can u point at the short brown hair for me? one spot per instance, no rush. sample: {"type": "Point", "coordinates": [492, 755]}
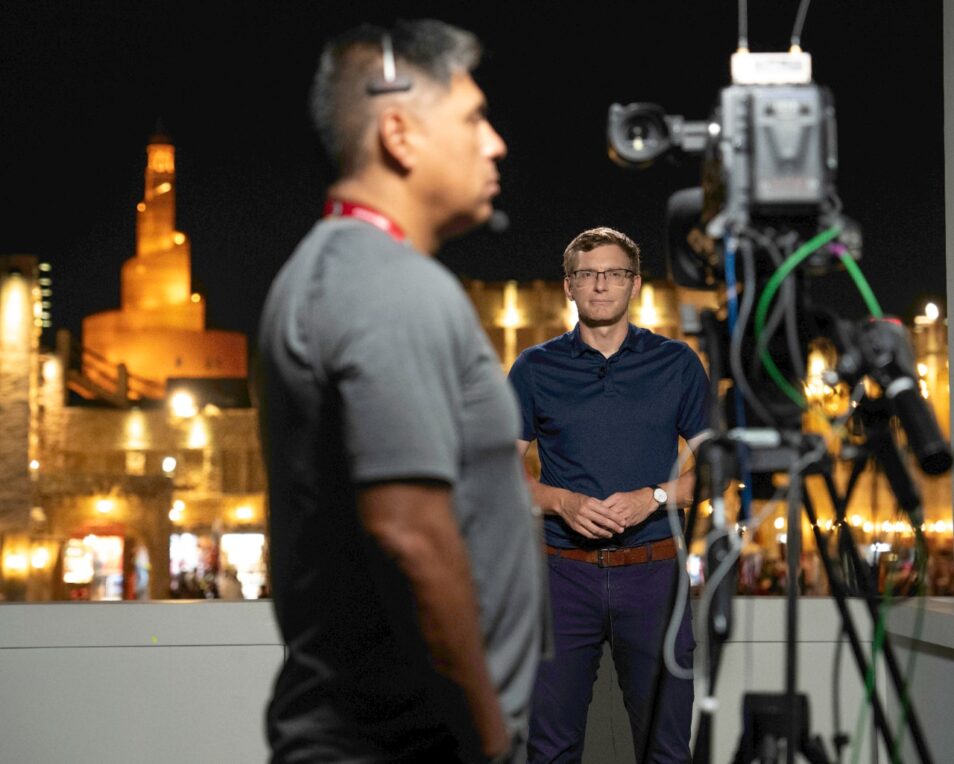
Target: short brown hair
{"type": "Point", "coordinates": [600, 237]}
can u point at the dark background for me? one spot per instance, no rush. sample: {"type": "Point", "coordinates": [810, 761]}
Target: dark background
{"type": "Point", "coordinates": [83, 83]}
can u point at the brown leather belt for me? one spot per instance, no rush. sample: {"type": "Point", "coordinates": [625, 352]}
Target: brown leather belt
{"type": "Point", "coordinates": [611, 558]}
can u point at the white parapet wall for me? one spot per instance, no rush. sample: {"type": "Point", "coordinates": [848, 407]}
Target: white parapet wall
{"type": "Point", "coordinates": [165, 682]}
{"type": "Point", "coordinates": [923, 633]}
{"type": "Point", "coordinates": [153, 683]}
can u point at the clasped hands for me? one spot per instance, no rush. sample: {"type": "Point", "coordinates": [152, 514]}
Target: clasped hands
{"type": "Point", "coordinates": [597, 519]}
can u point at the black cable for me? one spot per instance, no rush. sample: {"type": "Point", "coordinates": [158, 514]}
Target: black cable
{"type": "Point", "coordinates": [919, 564]}
{"type": "Point", "coordinates": [767, 242]}
{"type": "Point", "coordinates": [791, 326]}
{"type": "Point", "coordinates": [785, 306]}
{"type": "Point", "coordinates": [800, 23]}
{"type": "Point", "coordinates": [788, 300]}
{"type": "Point", "coordinates": [791, 331]}
{"type": "Point", "coordinates": [771, 324]}
{"type": "Point", "coordinates": [771, 411]}
{"type": "Point", "coordinates": [735, 344]}
{"type": "Point", "coordinates": [838, 737]}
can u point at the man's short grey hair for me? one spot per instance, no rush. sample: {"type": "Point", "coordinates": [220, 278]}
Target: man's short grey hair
{"type": "Point", "coordinates": [600, 237]}
{"type": "Point", "coordinates": [425, 50]}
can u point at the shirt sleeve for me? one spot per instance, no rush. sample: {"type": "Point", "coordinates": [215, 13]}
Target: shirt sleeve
{"type": "Point", "coordinates": [521, 379]}
{"type": "Point", "coordinates": [397, 369]}
{"type": "Point", "coordinates": [695, 404]}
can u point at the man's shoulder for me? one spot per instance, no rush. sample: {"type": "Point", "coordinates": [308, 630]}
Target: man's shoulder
{"type": "Point", "coordinates": [361, 259]}
{"type": "Point", "coordinates": [652, 341]}
{"type": "Point", "coordinates": [347, 279]}
{"type": "Point", "coordinates": [363, 245]}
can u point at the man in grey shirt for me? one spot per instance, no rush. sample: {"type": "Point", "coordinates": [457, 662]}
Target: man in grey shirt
{"type": "Point", "coordinates": [405, 568]}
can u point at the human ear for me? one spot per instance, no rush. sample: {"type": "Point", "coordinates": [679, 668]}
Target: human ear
{"type": "Point", "coordinates": [395, 134]}
{"type": "Point", "coordinates": [637, 284]}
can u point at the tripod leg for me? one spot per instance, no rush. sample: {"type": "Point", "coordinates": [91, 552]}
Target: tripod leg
{"type": "Point", "coordinates": [848, 624]}
{"type": "Point", "coordinates": [869, 591]}
{"type": "Point", "coordinates": [813, 750]}
{"type": "Point", "coordinates": [793, 550]}
{"type": "Point", "coordinates": [853, 573]}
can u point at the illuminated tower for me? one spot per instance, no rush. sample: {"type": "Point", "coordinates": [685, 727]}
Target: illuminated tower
{"type": "Point", "coordinates": [159, 331]}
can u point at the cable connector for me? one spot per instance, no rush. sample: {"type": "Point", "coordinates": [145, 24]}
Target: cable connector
{"type": "Point", "coordinates": [756, 437]}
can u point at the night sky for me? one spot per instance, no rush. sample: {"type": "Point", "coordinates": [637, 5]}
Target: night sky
{"type": "Point", "coordinates": [82, 85]}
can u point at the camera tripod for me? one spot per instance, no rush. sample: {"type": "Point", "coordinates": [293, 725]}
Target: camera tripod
{"type": "Point", "coordinates": [787, 716]}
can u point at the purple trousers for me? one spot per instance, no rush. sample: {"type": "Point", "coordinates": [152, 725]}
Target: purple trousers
{"type": "Point", "coordinates": [627, 606]}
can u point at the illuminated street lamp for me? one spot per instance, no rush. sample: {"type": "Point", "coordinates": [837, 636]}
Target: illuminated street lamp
{"type": "Point", "coordinates": [244, 514]}
{"type": "Point", "coordinates": [177, 511]}
{"type": "Point", "coordinates": [183, 404]}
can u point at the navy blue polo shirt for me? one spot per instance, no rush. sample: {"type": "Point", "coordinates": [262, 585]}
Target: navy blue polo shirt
{"type": "Point", "coordinates": [605, 425]}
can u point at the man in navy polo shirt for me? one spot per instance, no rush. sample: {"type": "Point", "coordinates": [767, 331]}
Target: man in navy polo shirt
{"type": "Point", "coordinates": [607, 404]}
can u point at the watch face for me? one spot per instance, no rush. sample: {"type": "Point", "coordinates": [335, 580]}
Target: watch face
{"type": "Point", "coordinates": [660, 495]}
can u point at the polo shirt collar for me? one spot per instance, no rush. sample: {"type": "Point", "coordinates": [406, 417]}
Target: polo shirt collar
{"type": "Point", "coordinates": [634, 341]}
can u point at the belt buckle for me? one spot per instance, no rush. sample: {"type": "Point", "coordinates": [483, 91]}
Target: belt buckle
{"type": "Point", "coordinates": [599, 558]}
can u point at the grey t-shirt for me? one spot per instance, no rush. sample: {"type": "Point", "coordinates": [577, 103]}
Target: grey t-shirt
{"type": "Point", "coordinates": [374, 368]}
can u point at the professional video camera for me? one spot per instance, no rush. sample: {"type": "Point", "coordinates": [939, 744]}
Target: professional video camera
{"type": "Point", "coordinates": [771, 155]}
{"type": "Point", "coordinates": [768, 185]}
{"type": "Point", "coordinates": [768, 200]}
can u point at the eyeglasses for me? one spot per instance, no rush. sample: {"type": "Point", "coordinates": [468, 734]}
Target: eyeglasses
{"type": "Point", "coordinates": [614, 276]}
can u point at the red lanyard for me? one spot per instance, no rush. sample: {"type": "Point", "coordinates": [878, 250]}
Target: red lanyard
{"type": "Point", "coordinates": [343, 209]}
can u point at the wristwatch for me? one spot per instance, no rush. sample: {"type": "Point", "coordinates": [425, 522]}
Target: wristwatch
{"type": "Point", "coordinates": [660, 495]}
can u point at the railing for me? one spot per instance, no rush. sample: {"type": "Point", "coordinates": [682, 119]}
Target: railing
{"type": "Point", "coordinates": [95, 377]}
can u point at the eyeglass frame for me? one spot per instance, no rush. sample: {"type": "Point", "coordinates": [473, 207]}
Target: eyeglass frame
{"type": "Point", "coordinates": [574, 277]}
